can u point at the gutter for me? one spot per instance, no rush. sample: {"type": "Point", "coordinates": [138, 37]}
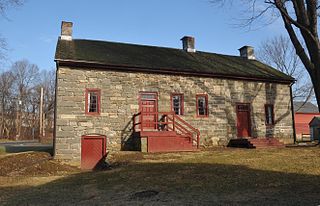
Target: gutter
{"type": "Point", "coordinates": [86, 64]}
{"type": "Point", "coordinates": [292, 113]}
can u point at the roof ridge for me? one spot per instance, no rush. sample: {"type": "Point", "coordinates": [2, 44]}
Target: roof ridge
{"type": "Point", "coordinates": [125, 43]}
{"type": "Point", "coordinates": [159, 47]}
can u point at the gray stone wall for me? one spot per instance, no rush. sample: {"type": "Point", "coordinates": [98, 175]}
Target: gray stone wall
{"type": "Point", "coordinates": [119, 101]}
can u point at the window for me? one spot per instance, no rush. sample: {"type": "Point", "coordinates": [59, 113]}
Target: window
{"type": "Point", "coordinates": [269, 114]}
{"type": "Point", "coordinates": [93, 101]}
{"type": "Point", "coordinates": [202, 105]}
{"type": "Point", "coordinates": [148, 96]}
{"type": "Point", "coordinates": [243, 108]}
{"type": "Point", "coordinates": [177, 103]}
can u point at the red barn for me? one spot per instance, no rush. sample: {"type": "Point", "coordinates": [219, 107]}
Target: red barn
{"type": "Point", "coordinates": [304, 113]}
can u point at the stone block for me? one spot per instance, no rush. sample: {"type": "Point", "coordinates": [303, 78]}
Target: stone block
{"type": "Point", "coordinates": [86, 124]}
{"type": "Point", "coordinates": [67, 128]}
{"type": "Point", "coordinates": [144, 144]}
{"type": "Point", "coordinates": [66, 116]}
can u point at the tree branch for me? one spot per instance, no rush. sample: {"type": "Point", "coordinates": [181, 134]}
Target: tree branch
{"type": "Point", "coordinates": [301, 12]}
{"type": "Point", "coordinates": [296, 43]}
{"type": "Point", "coordinates": [283, 11]}
{"type": "Point", "coordinates": [312, 16]}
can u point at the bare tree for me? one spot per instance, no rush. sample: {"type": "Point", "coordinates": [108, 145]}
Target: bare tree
{"type": "Point", "coordinates": [300, 18]}
{"type": "Point", "coordinates": [7, 4]}
{"type": "Point", "coordinates": [48, 84]}
{"type": "Point", "coordinates": [3, 48]}
{"type": "Point", "coordinates": [27, 77]}
{"type": "Point", "coordinates": [4, 6]}
{"type": "Point", "coordinates": [20, 101]}
{"type": "Point", "coordinates": [6, 104]}
{"type": "Point", "coordinates": [280, 53]}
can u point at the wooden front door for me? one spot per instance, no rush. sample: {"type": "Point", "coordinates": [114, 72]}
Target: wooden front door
{"type": "Point", "coordinates": [148, 108]}
{"type": "Point", "coordinates": [243, 120]}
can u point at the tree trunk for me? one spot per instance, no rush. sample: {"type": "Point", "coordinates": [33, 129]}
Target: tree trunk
{"type": "Point", "coordinates": [315, 78]}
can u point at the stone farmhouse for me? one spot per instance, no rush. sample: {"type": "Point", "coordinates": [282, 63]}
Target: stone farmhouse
{"type": "Point", "coordinates": [155, 99]}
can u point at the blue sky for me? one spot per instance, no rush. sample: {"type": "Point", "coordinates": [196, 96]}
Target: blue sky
{"type": "Point", "coordinates": [33, 29]}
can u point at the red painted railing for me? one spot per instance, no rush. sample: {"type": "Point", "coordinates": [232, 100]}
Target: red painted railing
{"type": "Point", "coordinates": [165, 121]}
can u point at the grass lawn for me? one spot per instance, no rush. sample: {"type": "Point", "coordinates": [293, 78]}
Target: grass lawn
{"type": "Point", "coordinates": [2, 150]}
{"type": "Point", "coordinates": [289, 176]}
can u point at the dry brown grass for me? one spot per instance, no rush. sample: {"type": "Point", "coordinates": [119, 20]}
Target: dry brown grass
{"type": "Point", "coordinates": [215, 177]}
{"type": "Point", "coordinates": [4, 140]}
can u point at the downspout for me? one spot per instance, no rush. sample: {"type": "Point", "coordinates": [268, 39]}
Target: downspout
{"type": "Point", "coordinates": [292, 113]}
{"type": "Point", "coordinates": [55, 111]}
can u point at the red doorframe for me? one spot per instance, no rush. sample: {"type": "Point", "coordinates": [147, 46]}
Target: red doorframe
{"type": "Point", "coordinates": [149, 96]}
{"type": "Point", "coordinates": [241, 110]}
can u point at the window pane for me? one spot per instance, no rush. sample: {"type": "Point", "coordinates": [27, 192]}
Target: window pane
{"type": "Point", "coordinates": [93, 102]}
{"type": "Point", "coordinates": [202, 106]}
{"type": "Point", "coordinates": [243, 108]}
{"type": "Point", "coordinates": [148, 96]}
{"type": "Point", "coordinates": [176, 104]}
{"type": "Point", "coordinates": [269, 114]}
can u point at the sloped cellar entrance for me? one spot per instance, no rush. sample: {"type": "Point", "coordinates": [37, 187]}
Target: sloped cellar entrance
{"type": "Point", "coordinates": [93, 151]}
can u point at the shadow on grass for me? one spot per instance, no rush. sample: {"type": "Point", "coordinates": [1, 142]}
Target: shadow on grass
{"type": "Point", "coordinates": [42, 148]}
{"type": "Point", "coordinates": [27, 148]}
{"type": "Point", "coordinates": [171, 184]}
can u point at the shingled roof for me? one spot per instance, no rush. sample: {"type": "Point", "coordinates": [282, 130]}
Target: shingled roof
{"type": "Point", "coordinates": [315, 121]}
{"type": "Point", "coordinates": [161, 59]}
{"type": "Point", "coordinates": [305, 107]}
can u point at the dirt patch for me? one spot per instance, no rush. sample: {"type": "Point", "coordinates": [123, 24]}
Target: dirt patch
{"type": "Point", "coordinates": [33, 164]}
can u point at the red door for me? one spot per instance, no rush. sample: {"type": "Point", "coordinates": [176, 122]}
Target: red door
{"type": "Point", "coordinates": [148, 108]}
{"type": "Point", "coordinates": [93, 151]}
{"type": "Point", "coordinates": [243, 120]}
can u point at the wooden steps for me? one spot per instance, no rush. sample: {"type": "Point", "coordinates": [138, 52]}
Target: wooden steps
{"type": "Point", "coordinates": [167, 141]}
{"type": "Point", "coordinates": [256, 143]}
{"type": "Point", "coordinates": [165, 132]}
{"type": "Point", "coordinates": [158, 133]}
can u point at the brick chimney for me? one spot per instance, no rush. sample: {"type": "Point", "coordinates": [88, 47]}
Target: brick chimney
{"type": "Point", "coordinates": [188, 43]}
{"type": "Point", "coordinates": [247, 52]}
{"type": "Point", "coordinates": [66, 31]}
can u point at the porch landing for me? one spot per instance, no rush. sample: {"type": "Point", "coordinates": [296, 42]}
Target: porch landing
{"type": "Point", "coordinates": [165, 141]}
{"type": "Point", "coordinates": [165, 132]}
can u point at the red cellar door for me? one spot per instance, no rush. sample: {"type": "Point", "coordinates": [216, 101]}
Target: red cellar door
{"type": "Point", "coordinates": [93, 150]}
